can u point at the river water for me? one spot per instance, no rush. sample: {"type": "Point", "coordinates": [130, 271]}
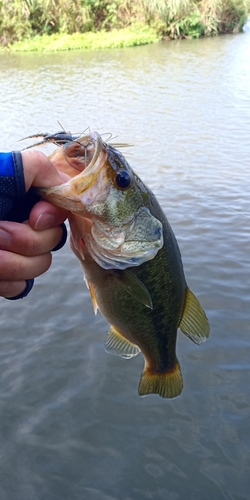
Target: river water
{"type": "Point", "coordinates": [72, 424]}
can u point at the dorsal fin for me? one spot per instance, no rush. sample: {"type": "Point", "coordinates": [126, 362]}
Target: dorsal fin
{"type": "Point", "coordinates": [117, 344]}
{"type": "Point", "coordinates": [194, 323]}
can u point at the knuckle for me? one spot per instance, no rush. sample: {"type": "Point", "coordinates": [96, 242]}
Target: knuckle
{"type": "Point", "coordinates": [29, 244]}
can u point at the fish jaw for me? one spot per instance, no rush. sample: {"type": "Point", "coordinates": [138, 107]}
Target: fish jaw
{"type": "Point", "coordinates": [78, 193]}
{"type": "Point", "coordinates": [89, 186]}
{"type": "Point", "coordinates": [61, 196]}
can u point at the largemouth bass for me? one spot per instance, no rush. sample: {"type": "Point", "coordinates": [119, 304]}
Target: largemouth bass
{"type": "Point", "coordinates": [130, 258]}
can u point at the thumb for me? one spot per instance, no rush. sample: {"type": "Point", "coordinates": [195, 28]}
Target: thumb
{"type": "Point", "coordinates": [38, 170]}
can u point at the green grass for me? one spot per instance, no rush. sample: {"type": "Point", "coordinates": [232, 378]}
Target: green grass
{"type": "Point", "coordinates": [128, 37]}
{"type": "Point", "coordinates": [52, 25]}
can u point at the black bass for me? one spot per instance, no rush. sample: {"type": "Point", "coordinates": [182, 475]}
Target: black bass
{"type": "Point", "coordinates": [130, 258]}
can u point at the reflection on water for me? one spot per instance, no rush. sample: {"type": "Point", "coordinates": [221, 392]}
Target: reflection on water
{"type": "Point", "coordinates": [72, 424]}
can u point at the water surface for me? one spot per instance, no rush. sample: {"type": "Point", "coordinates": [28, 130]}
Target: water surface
{"type": "Point", "coordinates": [72, 424]}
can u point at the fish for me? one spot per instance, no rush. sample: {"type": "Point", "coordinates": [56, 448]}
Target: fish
{"type": "Point", "coordinates": [130, 258]}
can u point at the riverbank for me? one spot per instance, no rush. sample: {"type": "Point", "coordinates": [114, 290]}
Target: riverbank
{"type": "Point", "coordinates": [127, 37]}
{"type": "Point", "coordinates": [52, 25]}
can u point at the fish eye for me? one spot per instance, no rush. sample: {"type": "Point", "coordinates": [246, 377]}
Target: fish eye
{"type": "Point", "coordinates": [122, 179]}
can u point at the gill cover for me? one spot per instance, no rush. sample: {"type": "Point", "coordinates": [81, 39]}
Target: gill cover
{"type": "Point", "coordinates": [131, 245]}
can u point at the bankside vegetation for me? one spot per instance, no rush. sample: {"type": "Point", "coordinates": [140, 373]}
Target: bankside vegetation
{"type": "Point", "coordinates": [140, 21]}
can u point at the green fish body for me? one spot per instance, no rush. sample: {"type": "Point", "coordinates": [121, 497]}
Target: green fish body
{"type": "Point", "coordinates": [131, 262]}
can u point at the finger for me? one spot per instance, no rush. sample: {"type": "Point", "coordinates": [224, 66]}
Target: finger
{"type": "Point", "coordinates": [38, 170]}
{"type": "Point", "coordinates": [44, 216]}
{"type": "Point", "coordinates": [10, 289]}
{"type": "Point", "coordinates": [14, 267]}
{"type": "Point", "coordinates": [63, 176]}
{"type": "Point", "coordinates": [22, 239]}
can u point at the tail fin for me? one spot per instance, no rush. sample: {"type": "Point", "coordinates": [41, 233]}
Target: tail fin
{"type": "Point", "coordinates": [168, 384]}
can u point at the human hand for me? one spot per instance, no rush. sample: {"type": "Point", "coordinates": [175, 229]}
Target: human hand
{"type": "Point", "coordinates": [25, 248]}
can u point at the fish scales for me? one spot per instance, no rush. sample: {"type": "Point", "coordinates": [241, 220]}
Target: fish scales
{"type": "Point", "coordinates": [154, 331]}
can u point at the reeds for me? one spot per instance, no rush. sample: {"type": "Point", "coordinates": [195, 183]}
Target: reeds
{"type": "Point", "coordinates": [192, 18]}
{"type": "Point", "coordinates": [21, 19]}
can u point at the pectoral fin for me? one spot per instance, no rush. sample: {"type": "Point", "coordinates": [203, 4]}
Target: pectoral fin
{"type": "Point", "coordinates": [194, 323]}
{"type": "Point", "coordinates": [117, 344]}
{"type": "Point", "coordinates": [135, 287]}
{"type": "Point", "coordinates": [93, 296]}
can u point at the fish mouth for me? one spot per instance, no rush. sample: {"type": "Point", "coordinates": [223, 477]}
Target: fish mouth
{"type": "Point", "coordinates": [83, 160]}
{"type": "Point", "coordinates": [77, 154]}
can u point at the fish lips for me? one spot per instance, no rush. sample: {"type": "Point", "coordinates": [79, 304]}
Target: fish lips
{"type": "Point", "coordinates": [90, 185]}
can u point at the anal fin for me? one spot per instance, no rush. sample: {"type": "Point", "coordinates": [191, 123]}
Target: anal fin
{"type": "Point", "coordinates": [168, 384]}
{"type": "Point", "coordinates": [194, 323]}
{"type": "Point", "coordinates": [117, 344]}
